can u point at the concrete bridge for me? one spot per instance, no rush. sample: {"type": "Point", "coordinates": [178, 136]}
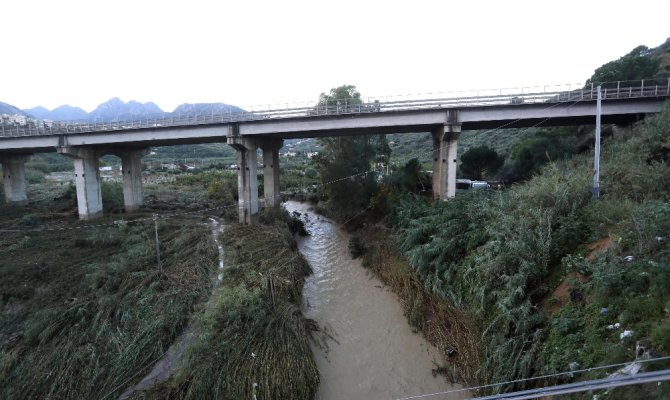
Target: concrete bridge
{"type": "Point", "coordinates": [445, 116]}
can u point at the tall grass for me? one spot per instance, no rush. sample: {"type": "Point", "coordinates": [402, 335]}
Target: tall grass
{"type": "Point", "coordinates": [94, 309]}
{"type": "Point", "coordinates": [499, 256]}
{"type": "Point", "coordinates": [252, 337]}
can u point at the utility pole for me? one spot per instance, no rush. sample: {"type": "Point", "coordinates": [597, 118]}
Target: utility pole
{"type": "Point", "coordinates": [158, 246]}
{"type": "Point", "coordinates": [596, 161]}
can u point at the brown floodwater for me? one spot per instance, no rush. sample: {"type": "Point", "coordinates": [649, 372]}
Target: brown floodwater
{"type": "Point", "coordinates": [373, 353]}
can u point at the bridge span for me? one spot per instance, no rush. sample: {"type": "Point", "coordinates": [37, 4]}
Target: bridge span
{"type": "Point", "coordinates": [266, 127]}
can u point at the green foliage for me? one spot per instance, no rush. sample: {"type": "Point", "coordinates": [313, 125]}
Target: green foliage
{"type": "Point", "coordinates": [30, 221]}
{"type": "Point", "coordinates": [112, 197]}
{"type": "Point", "coordinates": [480, 163]}
{"type": "Point", "coordinates": [345, 163]}
{"type": "Point", "coordinates": [498, 255]}
{"type": "Point", "coordinates": [636, 65]}
{"type": "Point", "coordinates": [356, 246]}
{"type": "Point", "coordinates": [410, 179]}
{"type": "Point", "coordinates": [50, 162]}
{"type": "Point", "coordinates": [660, 336]}
{"type": "Point", "coordinates": [342, 93]}
{"type": "Point", "coordinates": [87, 325]}
{"type": "Point", "coordinates": [34, 176]}
{"type": "Point", "coordinates": [534, 151]}
{"type": "Point", "coordinates": [252, 331]}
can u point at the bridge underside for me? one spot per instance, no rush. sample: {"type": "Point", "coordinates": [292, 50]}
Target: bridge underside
{"type": "Point", "coordinates": [466, 126]}
{"type": "Point", "coordinates": [444, 124]}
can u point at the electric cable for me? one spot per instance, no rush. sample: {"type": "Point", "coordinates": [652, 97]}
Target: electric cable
{"type": "Point", "coordinates": [421, 396]}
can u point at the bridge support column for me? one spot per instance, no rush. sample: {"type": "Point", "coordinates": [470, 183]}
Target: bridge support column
{"type": "Point", "coordinates": [445, 145]}
{"type": "Point", "coordinates": [247, 178]}
{"type": "Point", "coordinates": [14, 177]}
{"type": "Point", "coordinates": [87, 179]}
{"type": "Point", "coordinates": [271, 171]}
{"type": "Point", "coordinates": [131, 167]}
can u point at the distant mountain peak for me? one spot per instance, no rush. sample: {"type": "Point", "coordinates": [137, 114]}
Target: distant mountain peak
{"type": "Point", "coordinates": [11, 110]}
{"type": "Point", "coordinates": [205, 108]}
{"type": "Point", "coordinates": [116, 109]}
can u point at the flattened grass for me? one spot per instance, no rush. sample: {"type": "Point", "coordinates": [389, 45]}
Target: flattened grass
{"type": "Point", "coordinates": [84, 312]}
{"type": "Point", "coordinates": [252, 337]}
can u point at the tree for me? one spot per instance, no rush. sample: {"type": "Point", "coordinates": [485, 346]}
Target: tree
{"type": "Point", "coordinates": [638, 64]}
{"type": "Point", "coordinates": [345, 162]}
{"type": "Point", "coordinates": [342, 93]}
{"type": "Point", "coordinates": [480, 163]}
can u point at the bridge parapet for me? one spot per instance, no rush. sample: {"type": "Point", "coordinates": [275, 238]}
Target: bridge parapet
{"type": "Point", "coordinates": [463, 99]}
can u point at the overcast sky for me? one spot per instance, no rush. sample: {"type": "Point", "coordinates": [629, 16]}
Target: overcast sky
{"type": "Point", "coordinates": [247, 52]}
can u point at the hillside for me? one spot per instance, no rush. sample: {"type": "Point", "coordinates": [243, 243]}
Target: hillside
{"type": "Point", "coordinates": [552, 279]}
{"type": "Point", "coordinates": [115, 110]}
{"type": "Point", "coordinates": [62, 113]}
{"type": "Point", "coordinates": [205, 108]}
{"type": "Point", "coordinates": [10, 109]}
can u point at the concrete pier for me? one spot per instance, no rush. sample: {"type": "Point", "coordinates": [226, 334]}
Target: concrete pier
{"type": "Point", "coordinates": [247, 178]}
{"type": "Point", "coordinates": [271, 192]}
{"type": "Point", "coordinates": [131, 167]}
{"type": "Point", "coordinates": [87, 180]}
{"type": "Point", "coordinates": [14, 178]}
{"type": "Point", "coordinates": [445, 145]}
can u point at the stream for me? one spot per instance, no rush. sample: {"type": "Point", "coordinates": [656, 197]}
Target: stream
{"type": "Point", "coordinates": [373, 353]}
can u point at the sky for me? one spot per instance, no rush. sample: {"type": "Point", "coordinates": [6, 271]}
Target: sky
{"type": "Point", "coordinates": [253, 52]}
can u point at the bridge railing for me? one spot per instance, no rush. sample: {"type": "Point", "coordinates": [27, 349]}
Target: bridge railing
{"type": "Point", "coordinates": [427, 101]}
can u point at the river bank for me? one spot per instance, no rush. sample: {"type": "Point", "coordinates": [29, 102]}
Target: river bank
{"type": "Point", "coordinates": [252, 341]}
{"type": "Point", "coordinates": [373, 352]}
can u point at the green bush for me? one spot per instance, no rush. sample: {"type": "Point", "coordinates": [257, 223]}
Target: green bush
{"type": "Point", "coordinates": [660, 337]}
{"type": "Point", "coordinates": [30, 220]}
{"type": "Point", "coordinates": [498, 256]}
{"type": "Point", "coordinates": [34, 176]}
{"type": "Point", "coordinates": [112, 197]}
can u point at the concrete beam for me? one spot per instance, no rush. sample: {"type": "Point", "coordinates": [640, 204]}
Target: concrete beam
{"type": "Point", "coordinates": [445, 146]}
{"type": "Point", "coordinates": [131, 167]}
{"type": "Point", "coordinates": [14, 178]}
{"type": "Point", "coordinates": [87, 180]}
{"type": "Point", "coordinates": [247, 178]}
{"type": "Point", "coordinates": [271, 192]}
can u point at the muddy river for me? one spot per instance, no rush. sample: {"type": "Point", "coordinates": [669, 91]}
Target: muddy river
{"type": "Point", "coordinates": [373, 354]}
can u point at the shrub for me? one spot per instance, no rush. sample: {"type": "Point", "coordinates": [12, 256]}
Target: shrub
{"type": "Point", "coordinates": [112, 197]}
{"type": "Point", "coordinates": [356, 246]}
{"type": "Point", "coordinates": [30, 220]}
{"type": "Point", "coordinates": [660, 337]}
{"type": "Point", "coordinates": [34, 176]}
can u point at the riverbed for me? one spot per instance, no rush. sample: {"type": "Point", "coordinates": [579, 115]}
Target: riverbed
{"type": "Point", "coordinates": [373, 353]}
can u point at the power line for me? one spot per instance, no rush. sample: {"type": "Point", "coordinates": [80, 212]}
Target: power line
{"type": "Point", "coordinates": [491, 385]}
{"type": "Point", "coordinates": [606, 383]}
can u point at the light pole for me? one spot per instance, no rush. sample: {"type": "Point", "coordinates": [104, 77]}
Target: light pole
{"type": "Point", "coordinates": [596, 161]}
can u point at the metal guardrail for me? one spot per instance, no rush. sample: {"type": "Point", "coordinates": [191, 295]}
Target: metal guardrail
{"type": "Point", "coordinates": [478, 98]}
{"type": "Point", "coordinates": [584, 386]}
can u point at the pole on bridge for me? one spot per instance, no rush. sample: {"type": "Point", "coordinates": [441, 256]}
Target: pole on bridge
{"type": "Point", "coordinates": [596, 161]}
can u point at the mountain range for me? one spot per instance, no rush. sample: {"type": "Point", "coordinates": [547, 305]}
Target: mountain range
{"type": "Point", "coordinates": [116, 110]}
{"type": "Point", "coordinates": [10, 109]}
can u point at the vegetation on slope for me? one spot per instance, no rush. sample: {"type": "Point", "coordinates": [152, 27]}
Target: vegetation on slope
{"type": "Point", "coordinates": [499, 257]}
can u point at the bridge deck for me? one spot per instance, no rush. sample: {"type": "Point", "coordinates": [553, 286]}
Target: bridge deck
{"type": "Point", "coordinates": [622, 102]}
